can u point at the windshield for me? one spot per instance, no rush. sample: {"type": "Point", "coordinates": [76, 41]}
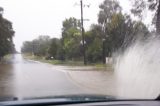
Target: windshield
{"type": "Point", "coordinates": [51, 48]}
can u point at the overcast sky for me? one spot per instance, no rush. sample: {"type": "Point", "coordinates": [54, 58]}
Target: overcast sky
{"type": "Point", "coordinates": [32, 18]}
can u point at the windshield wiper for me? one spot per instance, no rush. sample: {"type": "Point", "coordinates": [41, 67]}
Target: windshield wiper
{"type": "Point", "coordinates": [158, 98]}
{"type": "Point", "coordinates": [58, 100]}
{"type": "Point", "coordinates": [82, 97]}
{"type": "Point", "coordinates": [8, 99]}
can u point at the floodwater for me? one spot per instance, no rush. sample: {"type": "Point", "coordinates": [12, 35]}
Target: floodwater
{"type": "Point", "coordinates": [25, 78]}
{"type": "Point", "coordinates": [136, 75]}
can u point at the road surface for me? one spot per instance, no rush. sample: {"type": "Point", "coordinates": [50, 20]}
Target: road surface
{"type": "Point", "coordinates": [26, 78]}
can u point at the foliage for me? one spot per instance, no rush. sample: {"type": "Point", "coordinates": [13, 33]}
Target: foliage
{"type": "Point", "coordinates": [41, 45]}
{"type": "Point", "coordinates": [123, 31]}
{"type": "Point", "coordinates": [119, 30]}
{"type": "Point", "coordinates": [6, 36]}
{"type": "Point", "coordinates": [27, 47]}
{"type": "Point", "coordinates": [107, 9]}
{"type": "Point", "coordinates": [71, 38]}
{"type": "Point", "coordinates": [94, 43]}
{"type": "Point", "coordinates": [53, 48]}
{"type": "Point", "coordinates": [141, 6]}
{"type": "Point", "coordinates": [114, 31]}
{"type": "Point", "coordinates": [38, 46]}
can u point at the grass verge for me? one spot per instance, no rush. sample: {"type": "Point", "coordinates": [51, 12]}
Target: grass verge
{"type": "Point", "coordinates": [98, 66]}
{"type": "Point", "coordinates": [6, 58]}
{"type": "Point", "coordinates": [55, 62]}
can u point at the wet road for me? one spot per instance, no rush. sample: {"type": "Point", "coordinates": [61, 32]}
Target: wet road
{"type": "Point", "coordinates": [24, 78]}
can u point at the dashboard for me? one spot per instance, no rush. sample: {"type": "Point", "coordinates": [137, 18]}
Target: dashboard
{"type": "Point", "coordinates": [107, 103]}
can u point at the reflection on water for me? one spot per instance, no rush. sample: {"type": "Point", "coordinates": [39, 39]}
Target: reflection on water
{"type": "Point", "coordinates": [7, 78]}
{"type": "Point", "coordinates": [136, 75]}
{"type": "Point", "coordinates": [34, 79]}
{"type": "Point", "coordinates": [23, 78]}
{"type": "Point", "coordinates": [138, 70]}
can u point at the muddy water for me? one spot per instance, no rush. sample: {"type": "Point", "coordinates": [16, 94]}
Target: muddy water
{"type": "Point", "coordinates": [7, 79]}
{"type": "Point", "coordinates": [23, 78]}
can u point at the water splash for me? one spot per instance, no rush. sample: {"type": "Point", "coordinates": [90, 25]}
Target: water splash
{"type": "Point", "coordinates": [138, 70]}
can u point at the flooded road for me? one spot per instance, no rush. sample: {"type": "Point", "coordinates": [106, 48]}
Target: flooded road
{"type": "Point", "coordinates": [25, 78]}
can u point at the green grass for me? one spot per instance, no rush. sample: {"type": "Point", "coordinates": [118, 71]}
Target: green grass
{"type": "Point", "coordinates": [101, 66]}
{"type": "Point", "coordinates": [6, 58]}
{"type": "Point", "coordinates": [68, 62]}
{"type": "Point", "coordinates": [32, 57]}
{"type": "Point", "coordinates": [59, 62]}
{"type": "Point", "coordinates": [55, 62]}
{"type": "Point", "coordinates": [98, 66]}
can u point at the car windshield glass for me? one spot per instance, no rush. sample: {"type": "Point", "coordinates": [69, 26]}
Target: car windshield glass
{"type": "Point", "coordinates": [79, 48]}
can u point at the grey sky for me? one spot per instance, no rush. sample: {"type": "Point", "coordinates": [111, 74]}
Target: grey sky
{"type": "Point", "coordinates": [32, 18]}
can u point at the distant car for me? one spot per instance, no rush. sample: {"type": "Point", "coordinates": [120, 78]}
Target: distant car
{"type": "Point", "coordinates": [49, 57]}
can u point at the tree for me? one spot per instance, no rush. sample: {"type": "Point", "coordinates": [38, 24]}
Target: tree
{"type": "Point", "coordinates": [60, 51]}
{"type": "Point", "coordinates": [139, 6]}
{"type": "Point", "coordinates": [41, 45]}
{"type": "Point", "coordinates": [38, 46]}
{"type": "Point", "coordinates": [93, 39]}
{"type": "Point", "coordinates": [54, 47]}
{"type": "Point", "coordinates": [71, 38]}
{"type": "Point", "coordinates": [6, 35]}
{"type": "Point", "coordinates": [107, 9]}
{"type": "Point", "coordinates": [118, 29]}
{"type": "Point", "coordinates": [27, 47]}
{"type": "Point", "coordinates": [123, 32]}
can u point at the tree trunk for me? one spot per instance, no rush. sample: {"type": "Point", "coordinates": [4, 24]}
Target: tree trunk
{"type": "Point", "coordinates": [158, 20]}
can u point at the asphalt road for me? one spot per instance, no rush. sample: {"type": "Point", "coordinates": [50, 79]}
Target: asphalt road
{"type": "Point", "coordinates": [26, 78]}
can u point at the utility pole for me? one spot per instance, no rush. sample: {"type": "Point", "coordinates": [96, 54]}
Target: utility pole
{"type": "Point", "coordinates": [82, 32]}
{"type": "Point", "coordinates": [103, 45]}
{"type": "Point", "coordinates": [103, 51]}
